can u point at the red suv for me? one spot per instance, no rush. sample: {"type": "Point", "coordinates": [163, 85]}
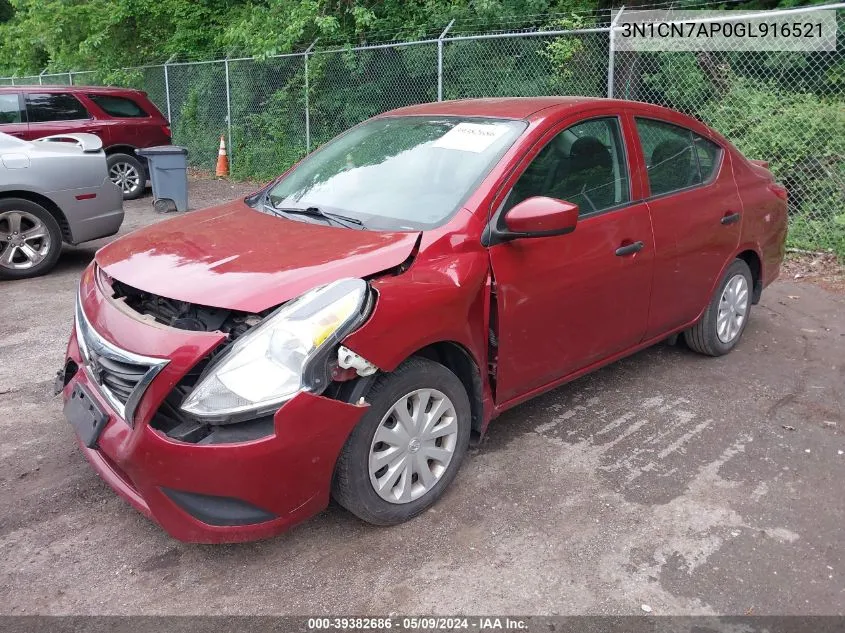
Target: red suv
{"type": "Point", "coordinates": [124, 119]}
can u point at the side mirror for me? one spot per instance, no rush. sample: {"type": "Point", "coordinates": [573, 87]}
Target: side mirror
{"type": "Point", "coordinates": [537, 217]}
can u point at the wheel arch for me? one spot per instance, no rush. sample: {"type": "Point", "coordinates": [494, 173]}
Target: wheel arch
{"type": "Point", "coordinates": [458, 359]}
{"type": "Point", "coordinates": [454, 357]}
{"type": "Point", "coordinates": [750, 254]}
{"type": "Point", "coordinates": [122, 149]}
{"type": "Point", "coordinates": [751, 257]}
{"type": "Point", "coordinates": [52, 208]}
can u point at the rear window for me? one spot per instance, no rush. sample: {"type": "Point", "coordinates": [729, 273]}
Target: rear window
{"type": "Point", "coordinates": [10, 109]}
{"type": "Point", "coordinates": [118, 106]}
{"type": "Point", "coordinates": [676, 157]}
{"type": "Point", "coordinates": [42, 107]}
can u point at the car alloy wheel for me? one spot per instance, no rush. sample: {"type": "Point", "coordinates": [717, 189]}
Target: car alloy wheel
{"type": "Point", "coordinates": [413, 446]}
{"type": "Point", "coordinates": [733, 308]}
{"type": "Point", "coordinates": [24, 240]}
{"type": "Point", "coordinates": [125, 176]}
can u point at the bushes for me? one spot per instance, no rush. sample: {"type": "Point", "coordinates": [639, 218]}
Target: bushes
{"type": "Point", "coordinates": [270, 140]}
{"type": "Point", "coordinates": [803, 138]}
{"type": "Point", "coordinates": [785, 109]}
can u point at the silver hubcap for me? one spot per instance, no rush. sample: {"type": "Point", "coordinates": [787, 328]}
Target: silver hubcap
{"type": "Point", "coordinates": [413, 446]}
{"type": "Point", "coordinates": [733, 308]}
{"type": "Point", "coordinates": [24, 240]}
{"type": "Point", "coordinates": [125, 176]}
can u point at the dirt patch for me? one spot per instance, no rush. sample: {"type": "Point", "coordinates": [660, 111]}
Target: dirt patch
{"type": "Point", "coordinates": [824, 269]}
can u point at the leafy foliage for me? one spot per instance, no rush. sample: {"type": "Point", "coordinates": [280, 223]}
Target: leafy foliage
{"type": "Point", "coordinates": [786, 108]}
{"type": "Point", "coordinates": [62, 35]}
{"type": "Point", "coordinates": [802, 136]}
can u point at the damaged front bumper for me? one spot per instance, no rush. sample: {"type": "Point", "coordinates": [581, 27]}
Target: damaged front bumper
{"type": "Point", "coordinates": [208, 493]}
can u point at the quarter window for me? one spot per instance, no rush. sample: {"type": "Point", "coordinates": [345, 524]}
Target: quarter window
{"type": "Point", "coordinates": [584, 164]}
{"type": "Point", "coordinates": [118, 106]}
{"type": "Point", "coordinates": [676, 157]}
{"type": "Point", "coordinates": [45, 107]}
{"type": "Point", "coordinates": [708, 156]}
{"type": "Point", "coordinates": [10, 108]}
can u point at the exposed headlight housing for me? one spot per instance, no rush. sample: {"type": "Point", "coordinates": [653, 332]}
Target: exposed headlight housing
{"type": "Point", "coordinates": [285, 354]}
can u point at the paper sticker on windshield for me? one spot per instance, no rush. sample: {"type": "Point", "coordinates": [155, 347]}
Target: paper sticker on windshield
{"type": "Point", "coordinates": [471, 137]}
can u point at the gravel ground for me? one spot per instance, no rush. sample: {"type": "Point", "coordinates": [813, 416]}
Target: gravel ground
{"type": "Point", "coordinates": [688, 484]}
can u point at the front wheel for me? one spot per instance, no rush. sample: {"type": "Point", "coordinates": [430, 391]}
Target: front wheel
{"type": "Point", "coordinates": [128, 174]}
{"type": "Point", "coordinates": [720, 328]}
{"type": "Point", "coordinates": [409, 445]}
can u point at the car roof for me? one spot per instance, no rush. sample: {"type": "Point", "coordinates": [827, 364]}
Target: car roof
{"type": "Point", "coordinates": [61, 88]}
{"type": "Point", "coordinates": [537, 108]}
{"type": "Point", "coordinates": [501, 107]}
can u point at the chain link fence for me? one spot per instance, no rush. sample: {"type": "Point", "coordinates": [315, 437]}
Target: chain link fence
{"type": "Point", "coordinates": [787, 108]}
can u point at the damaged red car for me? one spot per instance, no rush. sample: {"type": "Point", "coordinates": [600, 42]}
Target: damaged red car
{"type": "Point", "coordinates": [346, 331]}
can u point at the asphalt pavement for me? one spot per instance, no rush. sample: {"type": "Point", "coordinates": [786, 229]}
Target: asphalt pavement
{"type": "Point", "coordinates": [687, 484]}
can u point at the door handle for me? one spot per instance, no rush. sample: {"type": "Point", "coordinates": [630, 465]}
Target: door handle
{"type": "Point", "coordinates": [731, 218]}
{"type": "Point", "coordinates": [629, 249]}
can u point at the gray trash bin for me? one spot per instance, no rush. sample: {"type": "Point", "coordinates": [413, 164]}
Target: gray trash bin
{"type": "Point", "coordinates": [168, 165]}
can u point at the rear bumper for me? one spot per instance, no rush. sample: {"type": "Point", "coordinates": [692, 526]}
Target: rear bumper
{"type": "Point", "coordinates": [91, 218]}
{"type": "Point", "coordinates": [217, 493]}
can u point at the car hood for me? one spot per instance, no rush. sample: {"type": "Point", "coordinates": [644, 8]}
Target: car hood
{"type": "Point", "coordinates": [235, 257]}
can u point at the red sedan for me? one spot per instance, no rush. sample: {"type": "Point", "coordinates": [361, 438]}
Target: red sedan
{"type": "Point", "coordinates": [346, 330]}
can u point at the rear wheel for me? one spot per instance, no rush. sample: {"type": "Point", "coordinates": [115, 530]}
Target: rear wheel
{"type": "Point", "coordinates": [720, 328]}
{"type": "Point", "coordinates": [128, 174]}
{"type": "Point", "coordinates": [409, 445]}
{"type": "Point", "coordinates": [30, 239]}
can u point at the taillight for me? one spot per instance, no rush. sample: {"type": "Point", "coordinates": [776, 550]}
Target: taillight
{"type": "Point", "coordinates": [166, 130]}
{"type": "Point", "coordinates": [779, 190]}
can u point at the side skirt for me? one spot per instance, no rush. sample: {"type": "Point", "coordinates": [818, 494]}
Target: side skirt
{"type": "Point", "coordinates": [509, 404]}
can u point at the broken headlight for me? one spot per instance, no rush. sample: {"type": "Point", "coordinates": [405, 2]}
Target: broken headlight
{"type": "Point", "coordinates": [285, 354]}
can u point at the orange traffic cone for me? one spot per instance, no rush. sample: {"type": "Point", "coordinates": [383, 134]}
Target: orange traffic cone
{"type": "Point", "coordinates": [222, 159]}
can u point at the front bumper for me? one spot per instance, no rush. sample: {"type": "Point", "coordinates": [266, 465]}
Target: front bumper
{"type": "Point", "coordinates": [208, 493]}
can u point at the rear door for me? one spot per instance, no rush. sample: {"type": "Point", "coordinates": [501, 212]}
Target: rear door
{"type": "Point", "coordinates": [57, 113]}
{"type": "Point", "coordinates": [566, 302]}
{"type": "Point", "coordinates": [125, 121]}
{"type": "Point", "coordinates": [697, 217]}
{"type": "Point", "coordinates": [12, 115]}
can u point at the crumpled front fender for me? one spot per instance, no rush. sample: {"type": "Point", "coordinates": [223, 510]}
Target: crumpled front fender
{"type": "Point", "coordinates": [438, 301]}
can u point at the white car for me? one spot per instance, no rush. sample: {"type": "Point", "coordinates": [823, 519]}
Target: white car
{"type": "Point", "coordinates": [52, 190]}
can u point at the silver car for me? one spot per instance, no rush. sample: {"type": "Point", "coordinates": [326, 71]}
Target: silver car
{"type": "Point", "coordinates": [52, 190]}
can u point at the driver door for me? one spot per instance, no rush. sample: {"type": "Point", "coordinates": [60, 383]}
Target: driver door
{"type": "Point", "coordinates": [566, 302]}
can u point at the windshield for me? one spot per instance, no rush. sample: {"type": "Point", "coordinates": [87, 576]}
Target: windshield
{"type": "Point", "coordinates": [398, 173]}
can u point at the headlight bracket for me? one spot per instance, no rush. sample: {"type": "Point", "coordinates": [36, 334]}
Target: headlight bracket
{"type": "Point", "coordinates": [316, 375]}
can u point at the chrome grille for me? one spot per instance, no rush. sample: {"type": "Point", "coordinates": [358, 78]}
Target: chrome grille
{"type": "Point", "coordinates": [118, 377]}
{"type": "Point", "coordinates": [122, 376]}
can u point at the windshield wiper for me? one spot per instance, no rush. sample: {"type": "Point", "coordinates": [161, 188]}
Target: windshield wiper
{"type": "Point", "coordinates": [316, 212]}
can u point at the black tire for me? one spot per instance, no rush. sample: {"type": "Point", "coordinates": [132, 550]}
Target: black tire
{"type": "Point", "coordinates": [125, 163]}
{"type": "Point", "coordinates": [54, 247]}
{"type": "Point", "coordinates": [352, 487]}
{"type": "Point", "coordinates": [703, 336]}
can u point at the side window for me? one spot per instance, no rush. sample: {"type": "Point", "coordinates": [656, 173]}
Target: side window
{"type": "Point", "coordinates": [676, 157]}
{"type": "Point", "coordinates": [585, 164]}
{"type": "Point", "coordinates": [10, 108]}
{"type": "Point", "coordinates": [708, 156]}
{"type": "Point", "coordinates": [42, 107]}
{"type": "Point", "coordinates": [118, 106]}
